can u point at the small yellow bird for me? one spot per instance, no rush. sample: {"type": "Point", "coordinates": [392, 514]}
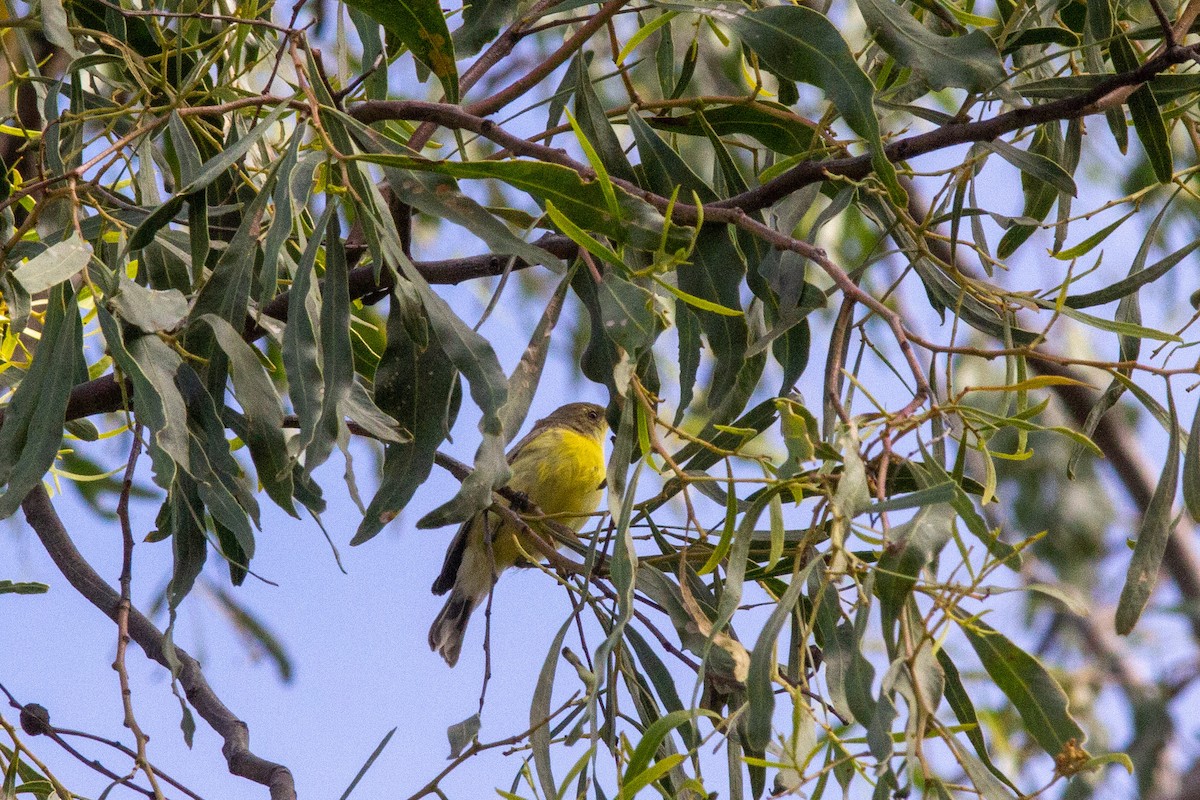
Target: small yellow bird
{"type": "Point", "coordinates": [559, 466]}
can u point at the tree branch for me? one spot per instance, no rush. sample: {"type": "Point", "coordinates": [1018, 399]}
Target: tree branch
{"type": "Point", "coordinates": [44, 520]}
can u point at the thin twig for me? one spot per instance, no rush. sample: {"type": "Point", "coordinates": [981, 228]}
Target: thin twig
{"type": "Point", "coordinates": [123, 606]}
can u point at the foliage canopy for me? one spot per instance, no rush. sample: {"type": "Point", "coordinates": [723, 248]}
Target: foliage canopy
{"type": "Point", "coordinates": [223, 229]}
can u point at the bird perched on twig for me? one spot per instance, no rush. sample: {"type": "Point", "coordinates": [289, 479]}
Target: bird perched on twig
{"type": "Point", "coordinates": [559, 467]}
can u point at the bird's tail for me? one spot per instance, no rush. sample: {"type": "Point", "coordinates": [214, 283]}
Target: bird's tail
{"type": "Point", "coordinates": [446, 634]}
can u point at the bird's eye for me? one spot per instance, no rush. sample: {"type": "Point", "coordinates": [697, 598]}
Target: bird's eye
{"type": "Point", "coordinates": [592, 414]}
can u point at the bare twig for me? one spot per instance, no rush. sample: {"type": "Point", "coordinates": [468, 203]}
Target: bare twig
{"type": "Point", "coordinates": [123, 606]}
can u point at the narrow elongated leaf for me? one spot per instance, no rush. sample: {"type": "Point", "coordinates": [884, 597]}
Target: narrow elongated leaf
{"type": "Point", "coordinates": [387, 737]}
{"type": "Point", "coordinates": [1035, 165]}
{"type": "Point", "coordinates": [1143, 108]}
{"type": "Point", "coordinates": [337, 359]}
{"type": "Point", "coordinates": [648, 746]}
{"type": "Point", "coordinates": [772, 124]}
{"type": "Point", "coordinates": [301, 354]}
{"type": "Point", "coordinates": [716, 274]}
{"type": "Point", "coordinates": [23, 587]}
{"type": "Point", "coordinates": [421, 27]}
{"type": "Point", "coordinates": [964, 710]}
{"type": "Point", "coordinates": [1191, 468]}
{"type": "Point", "coordinates": [150, 365]}
{"type": "Point", "coordinates": [539, 716]}
{"type": "Point", "coordinates": [33, 422]}
{"type": "Point", "coordinates": [1039, 195]}
{"type": "Point", "coordinates": [594, 127]}
{"type": "Point", "coordinates": [415, 384]}
{"type": "Point", "coordinates": [799, 44]}
{"type": "Point", "coordinates": [664, 168]}
{"type": "Point", "coordinates": [217, 474]}
{"type": "Point", "coordinates": [914, 545]}
{"type": "Point", "coordinates": [1157, 523]}
{"type": "Point", "coordinates": [687, 329]}
{"type": "Point", "coordinates": [1035, 694]}
{"type": "Point", "coordinates": [179, 516]}
{"type": "Point", "coordinates": [1134, 281]}
{"type": "Point", "coordinates": [261, 411]}
{"type": "Point", "coordinates": [439, 196]}
{"type": "Point", "coordinates": [582, 201]}
{"type": "Point", "coordinates": [968, 62]}
{"type": "Point", "coordinates": [760, 689]}
{"type": "Point", "coordinates": [53, 266]}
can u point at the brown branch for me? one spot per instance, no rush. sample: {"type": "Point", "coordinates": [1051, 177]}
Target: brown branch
{"type": "Point", "coordinates": [857, 168]}
{"type": "Point", "coordinates": [44, 520]}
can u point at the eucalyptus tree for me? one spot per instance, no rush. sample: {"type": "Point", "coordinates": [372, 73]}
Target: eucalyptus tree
{"type": "Point", "coordinates": [839, 270]}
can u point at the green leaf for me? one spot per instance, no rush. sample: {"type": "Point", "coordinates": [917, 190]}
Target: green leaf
{"type": "Point", "coordinates": [439, 196]}
{"type": "Point", "coordinates": [301, 356]}
{"type": "Point", "coordinates": [250, 625]}
{"type": "Point", "coordinates": [760, 689]}
{"type": "Point", "coordinates": [633, 316]}
{"type": "Point", "coordinates": [799, 44]}
{"type": "Point", "coordinates": [1086, 246]}
{"type": "Point", "coordinates": [415, 383]}
{"type": "Point", "coordinates": [150, 365]}
{"type": "Point", "coordinates": [1191, 468]}
{"type": "Point", "coordinates": [1134, 281]}
{"type": "Point", "coordinates": [960, 703]}
{"type": "Point", "coordinates": [421, 27]}
{"type": "Point", "coordinates": [594, 130]}
{"type": "Point", "coordinates": [216, 472]}
{"type": "Point", "coordinates": [663, 167]}
{"type": "Point", "coordinates": [1035, 165]}
{"type": "Point", "coordinates": [261, 412]}
{"type": "Point", "coordinates": [55, 264]}
{"type": "Point", "coordinates": [1039, 195]}
{"type": "Point", "coordinates": [1038, 698]}
{"type": "Point", "coordinates": [716, 273]}
{"type": "Point", "coordinates": [337, 357]}
{"type": "Point", "coordinates": [481, 21]}
{"type": "Point", "coordinates": [1158, 520]}
{"type": "Point", "coordinates": [539, 715]}
{"type": "Point", "coordinates": [600, 356]}
{"type": "Point", "coordinates": [179, 517]}
{"type": "Point", "coordinates": [969, 62]}
{"type": "Point", "coordinates": [687, 329]}
{"type": "Point", "coordinates": [1122, 328]}
{"type": "Point", "coordinates": [1143, 108]}
{"type": "Point", "coordinates": [912, 546]}
{"type": "Point", "coordinates": [32, 429]}
{"type": "Point", "coordinates": [772, 124]}
{"type": "Point", "coordinates": [151, 310]}
{"type": "Point", "coordinates": [582, 201]}
{"type": "Point", "coordinates": [462, 734]}
{"type": "Point", "coordinates": [638, 772]}
{"type": "Point", "coordinates": [23, 587]}
{"type": "Point", "coordinates": [387, 737]}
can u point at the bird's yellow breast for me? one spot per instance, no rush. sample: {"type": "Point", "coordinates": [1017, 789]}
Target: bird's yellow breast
{"type": "Point", "coordinates": [561, 472]}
